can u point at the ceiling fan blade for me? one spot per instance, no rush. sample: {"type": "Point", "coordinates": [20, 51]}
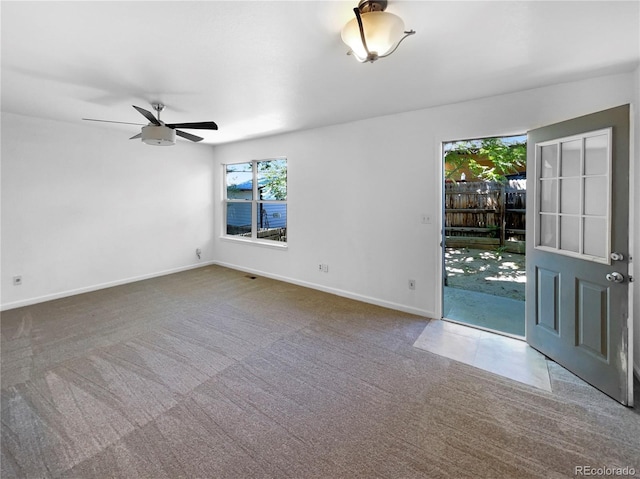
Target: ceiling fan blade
{"type": "Point", "coordinates": [188, 136]}
{"type": "Point", "coordinates": [139, 135]}
{"type": "Point", "coordinates": [109, 121]}
{"type": "Point", "coordinates": [148, 115]}
{"type": "Point", "coordinates": [200, 125]}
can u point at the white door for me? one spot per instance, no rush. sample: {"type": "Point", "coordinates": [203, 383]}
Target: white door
{"type": "Point", "coordinates": [578, 287]}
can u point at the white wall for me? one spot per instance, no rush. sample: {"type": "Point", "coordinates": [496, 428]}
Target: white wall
{"type": "Point", "coordinates": [357, 190]}
{"type": "Point", "coordinates": [83, 207]}
{"type": "Point", "coordinates": [351, 205]}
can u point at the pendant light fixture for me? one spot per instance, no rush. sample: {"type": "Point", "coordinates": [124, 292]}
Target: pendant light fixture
{"type": "Point", "coordinates": [374, 33]}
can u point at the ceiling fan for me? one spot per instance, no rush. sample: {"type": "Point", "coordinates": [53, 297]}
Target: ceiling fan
{"type": "Point", "coordinates": [159, 133]}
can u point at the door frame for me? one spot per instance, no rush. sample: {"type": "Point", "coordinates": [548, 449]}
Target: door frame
{"type": "Point", "coordinates": [439, 305]}
{"type": "Point", "coordinates": [633, 157]}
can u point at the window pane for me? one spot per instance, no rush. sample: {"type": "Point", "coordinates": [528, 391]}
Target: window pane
{"type": "Point", "coordinates": [595, 196]}
{"type": "Point", "coordinates": [548, 193]}
{"type": "Point", "coordinates": [272, 179]}
{"type": "Point", "coordinates": [595, 155]}
{"type": "Point", "coordinates": [570, 233]}
{"type": "Point", "coordinates": [570, 196]}
{"type": "Point", "coordinates": [239, 219]}
{"type": "Point", "coordinates": [549, 161]}
{"type": "Point", "coordinates": [272, 221]}
{"type": "Point", "coordinates": [240, 181]}
{"type": "Point", "coordinates": [571, 158]}
{"type": "Point", "coordinates": [595, 237]}
{"type": "Point", "coordinates": [548, 230]}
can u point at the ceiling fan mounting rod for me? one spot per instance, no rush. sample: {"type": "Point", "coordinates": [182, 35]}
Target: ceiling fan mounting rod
{"type": "Point", "coordinates": [158, 107]}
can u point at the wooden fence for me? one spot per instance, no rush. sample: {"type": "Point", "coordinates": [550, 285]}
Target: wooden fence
{"type": "Point", "coordinates": [486, 215]}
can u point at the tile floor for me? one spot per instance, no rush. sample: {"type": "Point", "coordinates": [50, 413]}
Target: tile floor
{"type": "Point", "coordinates": [491, 352]}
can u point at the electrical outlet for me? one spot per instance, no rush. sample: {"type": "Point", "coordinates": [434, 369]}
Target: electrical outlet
{"type": "Point", "coordinates": [412, 284]}
{"type": "Point", "coordinates": [320, 265]}
{"type": "Point", "coordinates": [17, 280]}
{"type": "Point", "coordinates": [425, 219]}
{"type": "Point", "coordinates": [325, 268]}
{"type": "Point", "coordinates": [198, 252]}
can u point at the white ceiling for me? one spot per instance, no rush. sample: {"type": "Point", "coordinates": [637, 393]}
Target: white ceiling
{"type": "Point", "coordinates": [265, 67]}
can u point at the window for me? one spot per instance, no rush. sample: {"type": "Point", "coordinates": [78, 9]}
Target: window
{"type": "Point", "coordinates": [255, 202]}
{"type": "Point", "coordinates": [573, 177]}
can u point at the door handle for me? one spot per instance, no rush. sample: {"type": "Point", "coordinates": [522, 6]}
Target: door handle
{"type": "Point", "coordinates": [615, 277]}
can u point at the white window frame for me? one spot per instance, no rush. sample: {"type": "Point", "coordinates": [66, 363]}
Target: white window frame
{"type": "Point", "coordinates": [537, 229]}
{"type": "Point", "coordinates": [254, 202]}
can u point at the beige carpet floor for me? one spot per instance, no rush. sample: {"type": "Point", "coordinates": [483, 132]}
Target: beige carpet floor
{"type": "Point", "coordinates": [211, 374]}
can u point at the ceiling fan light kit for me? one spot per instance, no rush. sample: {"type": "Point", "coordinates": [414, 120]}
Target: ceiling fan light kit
{"type": "Point", "coordinates": [158, 135]}
{"type": "Point", "coordinates": [373, 33]}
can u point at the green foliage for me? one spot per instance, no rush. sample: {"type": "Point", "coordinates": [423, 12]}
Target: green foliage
{"type": "Point", "coordinates": [505, 158]}
{"type": "Point", "coordinates": [274, 172]}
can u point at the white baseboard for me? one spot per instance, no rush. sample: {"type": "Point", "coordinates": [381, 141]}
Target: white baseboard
{"type": "Point", "coordinates": [96, 287]}
{"type": "Point", "coordinates": [336, 291]}
{"type": "Point", "coordinates": [307, 284]}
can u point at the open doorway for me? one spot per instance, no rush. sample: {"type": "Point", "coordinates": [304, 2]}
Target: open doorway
{"type": "Point", "coordinates": [484, 233]}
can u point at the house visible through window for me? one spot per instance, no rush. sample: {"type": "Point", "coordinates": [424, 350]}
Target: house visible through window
{"type": "Point", "coordinates": [256, 200]}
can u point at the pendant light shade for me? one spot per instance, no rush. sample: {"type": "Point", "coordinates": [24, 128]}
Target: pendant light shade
{"type": "Point", "coordinates": [373, 33]}
{"type": "Point", "coordinates": [383, 31]}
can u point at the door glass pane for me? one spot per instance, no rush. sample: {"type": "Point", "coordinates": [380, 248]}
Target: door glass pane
{"type": "Point", "coordinates": [548, 192]}
{"type": "Point", "coordinates": [595, 155]}
{"type": "Point", "coordinates": [574, 195]}
{"type": "Point", "coordinates": [570, 196]}
{"type": "Point", "coordinates": [570, 233]}
{"type": "Point", "coordinates": [595, 196]}
{"type": "Point", "coordinates": [570, 159]}
{"type": "Point", "coordinates": [548, 230]}
{"type": "Point", "coordinates": [595, 237]}
{"type": "Point", "coordinates": [239, 219]}
{"type": "Point", "coordinates": [549, 161]}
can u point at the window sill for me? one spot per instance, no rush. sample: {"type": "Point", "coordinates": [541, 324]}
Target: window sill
{"type": "Point", "coordinates": [264, 244]}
